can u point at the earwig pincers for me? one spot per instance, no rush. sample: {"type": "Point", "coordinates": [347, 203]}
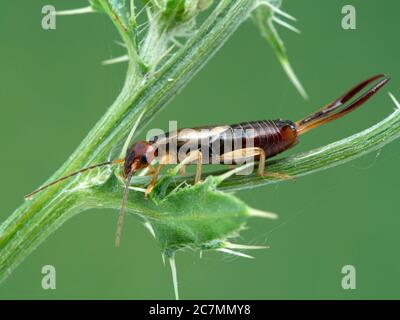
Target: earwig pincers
{"type": "Point", "coordinates": [268, 137]}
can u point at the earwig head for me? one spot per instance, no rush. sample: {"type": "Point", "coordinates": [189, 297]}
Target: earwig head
{"type": "Point", "coordinates": [138, 156]}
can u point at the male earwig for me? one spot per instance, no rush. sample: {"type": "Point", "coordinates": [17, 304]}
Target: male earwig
{"type": "Point", "coordinates": [269, 138]}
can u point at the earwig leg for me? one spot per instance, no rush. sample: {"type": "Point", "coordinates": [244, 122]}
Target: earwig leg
{"type": "Point", "coordinates": [153, 180]}
{"type": "Point", "coordinates": [261, 169]}
{"type": "Point", "coordinates": [166, 159]}
{"type": "Point", "coordinates": [197, 156]}
{"type": "Point", "coordinates": [199, 167]}
{"type": "Point", "coordinates": [242, 154]}
{"type": "Point", "coordinates": [261, 162]}
{"type": "Point", "coordinates": [151, 169]}
{"type": "Point", "coordinates": [182, 170]}
{"type": "Point", "coordinates": [277, 175]}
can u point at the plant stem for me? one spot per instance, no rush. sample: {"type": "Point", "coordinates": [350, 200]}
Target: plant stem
{"type": "Point", "coordinates": [36, 219]}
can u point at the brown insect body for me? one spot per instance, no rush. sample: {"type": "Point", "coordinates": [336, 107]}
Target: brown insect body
{"type": "Point", "coordinates": [272, 136]}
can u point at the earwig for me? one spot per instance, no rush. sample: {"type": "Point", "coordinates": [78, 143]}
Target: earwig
{"type": "Point", "coordinates": [269, 138]}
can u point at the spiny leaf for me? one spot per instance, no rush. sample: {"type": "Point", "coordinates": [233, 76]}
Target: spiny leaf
{"type": "Point", "coordinates": [196, 217]}
{"type": "Point", "coordinates": [96, 5]}
{"type": "Point", "coordinates": [122, 9]}
{"type": "Point", "coordinates": [263, 15]}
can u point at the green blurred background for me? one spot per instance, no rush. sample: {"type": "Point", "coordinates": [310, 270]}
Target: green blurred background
{"type": "Point", "coordinates": [53, 90]}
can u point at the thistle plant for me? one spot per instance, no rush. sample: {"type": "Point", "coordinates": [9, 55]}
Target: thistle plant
{"type": "Point", "coordinates": [162, 56]}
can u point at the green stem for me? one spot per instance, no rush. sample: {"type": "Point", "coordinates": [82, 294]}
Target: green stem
{"type": "Point", "coordinates": [36, 219]}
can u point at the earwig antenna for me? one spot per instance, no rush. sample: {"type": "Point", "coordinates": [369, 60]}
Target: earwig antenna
{"type": "Point", "coordinates": [113, 162]}
{"type": "Point", "coordinates": [123, 207]}
{"type": "Point", "coordinates": [326, 114]}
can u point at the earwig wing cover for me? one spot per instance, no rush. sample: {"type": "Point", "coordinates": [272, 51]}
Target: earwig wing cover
{"type": "Point", "coordinates": [190, 135]}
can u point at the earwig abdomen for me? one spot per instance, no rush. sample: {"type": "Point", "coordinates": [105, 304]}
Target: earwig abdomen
{"type": "Point", "coordinates": [273, 136]}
